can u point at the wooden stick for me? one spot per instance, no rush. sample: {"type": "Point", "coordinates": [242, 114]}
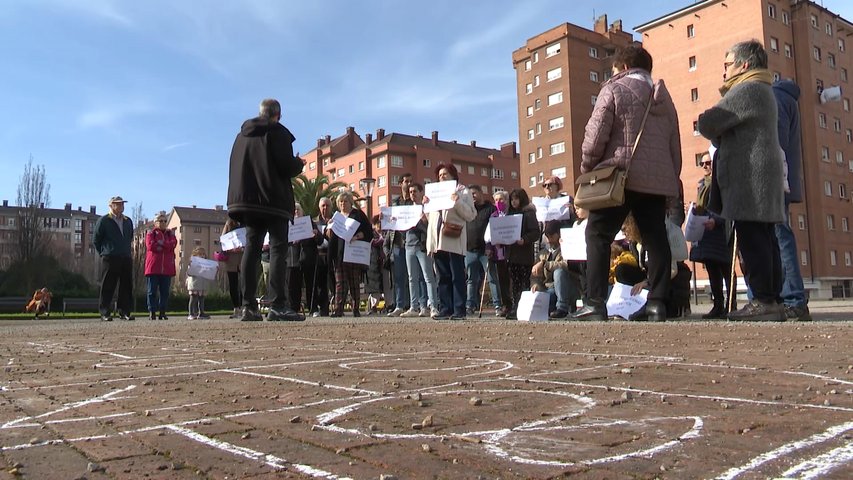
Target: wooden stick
{"type": "Point", "coordinates": [733, 284]}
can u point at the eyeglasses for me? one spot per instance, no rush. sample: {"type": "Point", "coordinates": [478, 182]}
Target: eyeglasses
{"type": "Point", "coordinates": [705, 164]}
{"type": "Point", "coordinates": [548, 185]}
{"type": "Point", "coordinates": [726, 65]}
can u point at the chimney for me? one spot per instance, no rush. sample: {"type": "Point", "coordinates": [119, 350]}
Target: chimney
{"type": "Point", "coordinates": [218, 208]}
{"type": "Point", "coordinates": [5, 203]}
{"type": "Point", "coordinates": [79, 208]}
{"type": "Point", "coordinates": [350, 138]}
{"type": "Point", "coordinates": [601, 24]}
{"type": "Point", "coordinates": [617, 26]}
{"type": "Point", "coordinates": [368, 138]}
{"type": "Point", "coordinates": [41, 205]}
{"type": "Point", "coordinates": [435, 137]}
{"type": "Point", "coordinates": [319, 142]}
{"type": "Point", "coordinates": [93, 210]}
{"type": "Point", "coordinates": [194, 206]}
{"type": "Point", "coordinates": [328, 139]}
{"type": "Point", "coordinates": [473, 143]}
{"type": "Point", "coordinates": [508, 150]}
{"type": "Point", "coordinates": [380, 133]}
{"type": "Point", "coordinates": [67, 207]}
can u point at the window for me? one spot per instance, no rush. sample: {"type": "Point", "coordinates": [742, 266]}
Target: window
{"type": "Point", "coordinates": [819, 84]}
{"type": "Point", "coordinates": [541, 177]}
{"type": "Point", "coordinates": [593, 52]}
{"type": "Point", "coordinates": [827, 188]}
{"type": "Point", "coordinates": [552, 50]}
{"type": "Point", "coordinates": [777, 76]}
{"type": "Point", "coordinates": [559, 172]}
{"type": "Point", "coordinates": [839, 158]}
{"type": "Point", "coordinates": [833, 260]}
{"type": "Point", "coordinates": [593, 100]}
{"type": "Point", "coordinates": [850, 165]}
{"type": "Point", "coordinates": [840, 44]}
{"type": "Point", "coordinates": [396, 160]}
{"type": "Point", "coordinates": [472, 170]}
{"type": "Point", "coordinates": [312, 166]}
{"type": "Point", "coordinates": [555, 123]}
{"type": "Point", "coordinates": [426, 162]}
{"type": "Point", "coordinates": [497, 189]}
{"type": "Point", "coordinates": [538, 128]}
{"type": "Point", "coordinates": [801, 221]}
{"type": "Point", "coordinates": [593, 76]}
{"type": "Point", "coordinates": [530, 111]}
{"type": "Point", "coordinates": [539, 152]}
{"type": "Point", "coordinates": [774, 44]}
{"type": "Point", "coordinates": [532, 182]}
{"type": "Point", "coordinates": [351, 169]}
{"type": "Point", "coordinates": [830, 59]}
{"type": "Point", "coordinates": [846, 103]}
{"type": "Point", "coordinates": [513, 175]}
{"type": "Point", "coordinates": [828, 28]}
{"type": "Point", "coordinates": [814, 20]}
{"type": "Point", "coordinates": [537, 104]}
{"type": "Point", "coordinates": [830, 222]}
{"type": "Point", "coordinates": [558, 148]}
{"type": "Point", "coordinates": [691, 63]}
{"type": "Point", "coordinates": [846, 259]}
{"type": "Point", "coordinates": [786, 17]}
{"type": "Point", "coordinates": [824, 154]}
{"type": "Point", "coordinates": [836, 124]}
{"type": "Point", "coordinates": [535, 57]}
{"type": "Point", "coordinates": [789, 51]}
{"type": "Point", "coordinates": [845, 226]}
{"type": "Point", "coordinates": [821, 120]}
{"type": "Point", "coordinates": [325, 162]}
{"type": "Point", "coordinates": [531, 157]}
{"type": "Point", "coordinates": [843, 74]}
{"type": "Point", "coordinates": [804, 257]}
{"type": "Point", "coordinates": [380, 161]}
{"type": "Point", "coordinates": [536, 80]}
{"type": "Point", "coordinates": [816, 53]}
{"type": "Point", "coordinates": [360, 166]}
{"type": "Point", "coordinates": [341, 172]}
{"type": "Point", "coordinates": [554, 74]}
{"type": "Point", "coordinates": [690, 31]}
{"type": "Point", "coordinates": [497, 174]}
{"type": "Point", "coordinates": [849, 136]}
{"type": "Point", "coordinates": [78, 237]}
{"type": "Point", "coordinates": [197, 242]}
{"type": "Point", "coordinates": [694, 94]}
{"type": "Point", "coordinates": [555, 98]}
{"type": "Point", "coordinates": [771, 10]}
{"type": "Point", "coordinates": [530, 134]}
{"type": "Point", "coordinates": [484, 172]}
{"type": "Point", "coordinates": [380, 182]}
{"type": "Point", "coordinates": [395, 180]}
{"type": "Point", "coordinates": [842, 190]}
{"type": "Point", "coordinates": [696, 128]}
{"type": "Point", "coordinates": [528, 88]}
{"type": "Point", "coordinates": [528, 65]}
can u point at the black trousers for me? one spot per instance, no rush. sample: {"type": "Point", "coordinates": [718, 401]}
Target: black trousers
{"type": "Point", "coordinates": [234, 289]}
{"type": "Point", "coordinates": [257, 227]}
{"type": "Point", "coordinates": [116, 270]}
{"type": "Point", "coordinates": [297, 276]}
{"type": "Point", "coordinates": [649, 211]}
{"type": "Point", "coordinates": [762, 264]}
{"type": "Point", "coordinates": [719, 272]}
{"type": "Point", "coordinates": [324, 278]}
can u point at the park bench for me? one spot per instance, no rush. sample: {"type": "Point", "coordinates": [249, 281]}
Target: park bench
{"type": "Point", "coordinates": [80, 303]}
{"type": "Point", "coordinates": [13, 304]}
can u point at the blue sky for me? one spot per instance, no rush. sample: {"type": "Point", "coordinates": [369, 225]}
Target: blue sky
{"type": "Point", "coordinates": [143, 98]}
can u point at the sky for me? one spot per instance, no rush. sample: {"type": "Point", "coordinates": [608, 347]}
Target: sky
{"type": "Point", "coordinates": [143, 99]}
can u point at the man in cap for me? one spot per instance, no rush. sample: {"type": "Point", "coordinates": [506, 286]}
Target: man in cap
{"type": "Point", "coordinates": [260, 196]}
{"type": "Point", "coordinates": [113, 237]}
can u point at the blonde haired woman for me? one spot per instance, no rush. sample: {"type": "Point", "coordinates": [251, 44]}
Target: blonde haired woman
{"type": "Point", "coordinates": [347, 275]}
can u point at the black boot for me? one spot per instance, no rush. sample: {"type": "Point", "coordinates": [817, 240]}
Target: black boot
{"type": "Point", "coordinates": [718, 311]}
{"type": "Point", "coordinates": [594, 311]}
{"type": "Point", "coordinates": [652, 311]}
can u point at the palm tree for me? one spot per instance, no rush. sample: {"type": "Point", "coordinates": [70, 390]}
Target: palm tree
{"type": "Point", "coordinates": [308, 192]}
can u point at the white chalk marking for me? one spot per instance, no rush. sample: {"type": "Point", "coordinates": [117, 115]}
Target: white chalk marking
{"type": "Point", "coordinates": [117, 355]}
{"type": "Point", "coordinates": [822, 377]}
{"type": "Point", "coordinates": [302, 382]}
{"type": "Point", "coordinates": [69, 406]}
{"type": "Point", "coordinates": [819, 466]}
{"type": "Point", "coordinates": [11, 361]}
{"type": "Point", "coordinates": [212, 361]}
{"type": "Point", "coordinates": [779, 452]}
{"type": "Point", "coordinates": [480, 362]}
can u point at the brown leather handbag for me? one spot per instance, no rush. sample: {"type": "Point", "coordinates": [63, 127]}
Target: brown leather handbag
{"type": "Point", "coordinates": [451, 230]}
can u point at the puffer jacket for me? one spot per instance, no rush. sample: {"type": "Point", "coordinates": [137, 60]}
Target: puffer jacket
{"type": "Point", "coordinates": [615, 123]}
{"type": "Point", "coordinates": [160, 252]}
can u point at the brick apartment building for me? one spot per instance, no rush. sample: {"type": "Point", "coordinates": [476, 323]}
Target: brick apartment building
{"type": "Point", "coordinates": [559, 74]}
{"type": "Point", "coordinates": [196, 227]}
{"type": "Point", "coordinates": [807, 43]}
{"type": "Point", "coordinates": [385, 158]}
{"type": "Point", "coordinates": [69, 232]}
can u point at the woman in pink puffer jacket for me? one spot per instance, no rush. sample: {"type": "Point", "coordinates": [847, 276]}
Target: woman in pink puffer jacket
{"type": "Point", "coordinates": [160, 243]}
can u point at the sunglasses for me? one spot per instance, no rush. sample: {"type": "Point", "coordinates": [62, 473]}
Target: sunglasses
{"type": "Point", "coordinates": [705, 164]}
{"type": "Point", "coordinates": [549, 185]}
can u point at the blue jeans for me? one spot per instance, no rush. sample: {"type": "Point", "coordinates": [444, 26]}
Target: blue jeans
{"type": "Point", "coordinates": [562, 289]}
{"type": "Point", "coordinates": [401, 277]}
{"type": "Point", "coordinates": [158, 285]}
{"type": "Point", "coordinates": [793, 291]}
{"type": "Point", "coordinates": [475, 264]}
{"type": "Point", "coordinates": [451, 282]}
{"type": "Point", "coordinates": [422, 286]}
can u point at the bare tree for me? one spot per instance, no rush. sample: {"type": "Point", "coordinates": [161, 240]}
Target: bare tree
{"type": "Point", "coordinates": [140, 227]}
{"type": "Point", "coordinates": [33, 197]}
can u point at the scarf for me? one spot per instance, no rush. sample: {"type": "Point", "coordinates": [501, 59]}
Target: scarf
{"type": "Point", "coordinates": [756, 75]}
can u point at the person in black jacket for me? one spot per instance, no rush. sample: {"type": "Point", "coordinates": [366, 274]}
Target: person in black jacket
{"type": "Point", "coordinates": [260, 196]}
{"type": "Point", "coordinates": [302, 265]}
{"type": "Point", "coordinates": [477, 263]}
{"type": "Point", "coordinates": [113, 236]}
{"type": "Point", "coordinates": [347, 275]}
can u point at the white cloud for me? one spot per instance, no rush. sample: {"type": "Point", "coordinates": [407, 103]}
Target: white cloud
{"type": "Point", "coordinates": [484, 40]}
{"type": "Point", "coordinates": [176, 145]}
{"type": "Point", "coordinates": [107, 116]}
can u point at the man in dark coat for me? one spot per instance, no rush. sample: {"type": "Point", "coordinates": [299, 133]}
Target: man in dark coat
{"type": "Point", "coordinates": [260, 196]}
{"type": "Point", "coordinates": [113, 236]}
{"type": "Point", "coordinates": [748, 181]}
{"type": "Point", "coordinates": [790, 139]}
{"type": "Point", "coordinates": [477, 263]}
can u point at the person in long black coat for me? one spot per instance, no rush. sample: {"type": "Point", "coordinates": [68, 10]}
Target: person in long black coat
{"type": "Point", "coordinates": [347, 275]}
{"type": "Point", "coordinates": [302, 264]}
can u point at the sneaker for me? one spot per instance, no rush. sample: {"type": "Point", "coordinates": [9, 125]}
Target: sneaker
{"type": "Point", "coordinates": [284, 315]}
{"type": "Point", "coordinates": [798, 313]}
{"type": "Point", "coordinates": [411, 313]}
{"type": "Point", "coordinates": [558, 314]}
{"type": "Point", "coordinates": [756, 311]}
{"type": "Point", "coordinates": [471, 311]}
{"type": "Point", "coordinates": [315, 315]}
{"type": "Point", "coordinates": [396, 312]}
{"type": "Point", "coordinates": [425, 312]}
{"type": "Point", "coordinates": [432, 312]}
{"type": "Point", "coordinates": [251, 315]}
{"type": "Point", "coordinates": [500, 312]}
{"type": "Point", "coordinates": [192, 317]}
{"type": "Point", "coordinates": [238, 313]}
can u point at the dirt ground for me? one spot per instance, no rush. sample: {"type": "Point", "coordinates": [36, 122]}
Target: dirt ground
{"type": "Point", "coordinates": [382, 398]}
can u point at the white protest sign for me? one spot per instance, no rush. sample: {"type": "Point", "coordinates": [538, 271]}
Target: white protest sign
{"type": "Point", "coordinates": [573, 242]}
{"type": "Point", "coordinates": [505, 230]}
{"type": "Point", "coordinates": [267, 239]}
{"type": "Point", "coordinates": [233, 240]}
{"type": "Point", "coordinates": [401, 218]}
{"type": "Point", "coordinates": [533, 306]}
{"type": "Point", "coordinates": [622, 304]}
{"type": "Point", "coordinates": [300, 229]}
{"type": "Point", "coordinates": [202, 267]}
{"type": "Point", "coordinates": [548, 209]}
{"type": "Point", "coordinates": [343, 226]}
{"type": "Point", "coordinates": [694, 225]}
{"type": "Point", "coordinates": [357, 251]}
{"type": "Point", "coordinates": [439, 195]}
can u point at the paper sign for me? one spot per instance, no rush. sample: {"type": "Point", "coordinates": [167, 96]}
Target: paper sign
{"type": "Point", "coordinates": [439, 195]}
{"type": "Point", "coordinates": [533, 306]}
{"type": "Point", "coordinates": [694, 225]}
{"type": "Point", "coordinates": [233, 240]}
{"type": "Point", "coordinates": [343, 226]}
{"type": "Point", "coordinates": [401, 218]}
{"type": "Point", "coordinates": [202, 267]}
{"type": "Point", "coordinates": [300, 229]}
{"type": "Point", "coordinates": [505, 230]}
{"type": "Point", "coordinates": [573, 242]}
{"type": "Point", "coordinates": [357, 251]}
{"type": "Point", "coordinates": [548, 209]}
{"type": "Point", "coordinates": [622, 304]}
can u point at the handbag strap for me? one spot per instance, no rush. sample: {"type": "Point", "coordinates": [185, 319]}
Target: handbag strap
{"type": "Point", "coordinates": [642, 127]}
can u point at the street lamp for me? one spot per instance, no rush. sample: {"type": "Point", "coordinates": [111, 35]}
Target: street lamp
{"type": "Point", "coordinates": [366, 185]}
